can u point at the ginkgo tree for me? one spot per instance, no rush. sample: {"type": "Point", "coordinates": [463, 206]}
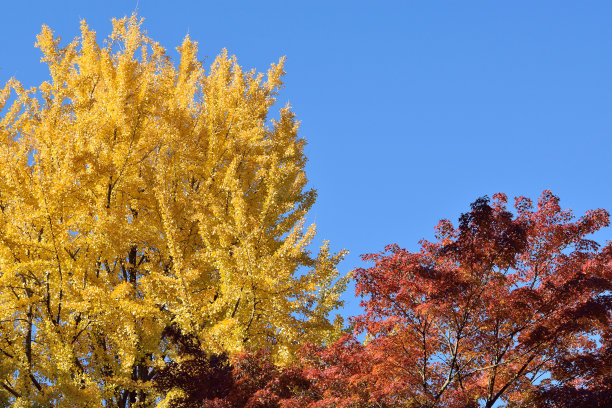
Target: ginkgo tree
{"type": "Point", "coordinates": [136, 195]}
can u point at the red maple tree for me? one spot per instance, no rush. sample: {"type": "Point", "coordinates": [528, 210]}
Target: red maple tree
{"type": "Point", "coordinates": [488, 312]}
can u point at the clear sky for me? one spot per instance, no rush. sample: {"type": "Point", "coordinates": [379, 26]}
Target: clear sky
{"type": "Point", "coordinates": [412, 109]}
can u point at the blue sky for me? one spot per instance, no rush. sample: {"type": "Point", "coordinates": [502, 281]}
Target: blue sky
{"type": "Point", "coordinates": [411, 109]}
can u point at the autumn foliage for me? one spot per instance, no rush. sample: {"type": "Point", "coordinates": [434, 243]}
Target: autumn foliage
{"type": "Point", "coordinates": [136, 195]}
{"type": "Point", "coordinates": [154, 252]}
{"type": "Point", "coordinates": [492, 309]}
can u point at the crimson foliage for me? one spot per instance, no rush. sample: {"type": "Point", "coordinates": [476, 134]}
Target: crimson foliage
{"type": "Point", "coordinates": [491, 308]}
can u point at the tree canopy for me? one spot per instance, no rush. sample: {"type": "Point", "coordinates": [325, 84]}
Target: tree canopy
{"type": "Point", "coordinates": [154, 252]}
{"type": "Point", "coordinates": [492, 310]}
{"type": "Point", "coordinates": [135, 196]}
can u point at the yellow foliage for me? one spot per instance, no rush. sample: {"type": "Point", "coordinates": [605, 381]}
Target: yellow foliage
{"type": "Point", "coordinates": [135, 195]}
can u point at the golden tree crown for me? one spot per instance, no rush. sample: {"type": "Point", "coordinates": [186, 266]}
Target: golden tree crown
{"type": "Point", "coordinates": [135, 195]}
